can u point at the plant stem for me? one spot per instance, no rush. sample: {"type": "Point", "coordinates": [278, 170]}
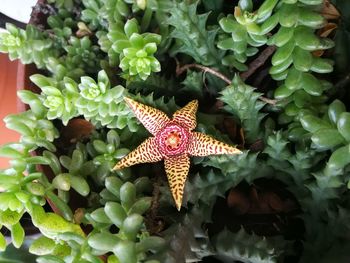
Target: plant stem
{"type": "Point", "coordinates": [258, 62]}
{"type": "Point", "coordinates": [267, 100]}
{"type": "Point", "coordinates": [180, 70]}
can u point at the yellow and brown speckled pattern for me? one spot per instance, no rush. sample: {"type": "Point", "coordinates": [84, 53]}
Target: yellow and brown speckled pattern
{"type": "Point", "coordinates": [186, 116]}
{"type": "Point", "coordinates": [146, 152]}
{"type": "Point", "coordinates": [153, 119]}
{"type": "Point", "coordinates": [176, 161]}
{"type": "Point", "coordinates": [176, 168]}
{"type": "Point", "coordinates": [203, 145]}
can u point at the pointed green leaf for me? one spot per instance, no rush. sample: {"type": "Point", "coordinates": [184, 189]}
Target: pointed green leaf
{"type": "Point", "coordinates": [17, 235]}
{"type": "Point", "coordinates": [3, 243]}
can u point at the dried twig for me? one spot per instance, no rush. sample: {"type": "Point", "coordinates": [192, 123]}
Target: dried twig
{"type": "Point", "coordinates": [180, 70]}
{"type": "Point", "coordinates": [258, 62]}
{"type": "Point", "coordinates": [267, 100]}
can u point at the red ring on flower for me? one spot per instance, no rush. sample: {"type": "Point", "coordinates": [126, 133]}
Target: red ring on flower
{"type": "Point", "coordinates": [172, 139]}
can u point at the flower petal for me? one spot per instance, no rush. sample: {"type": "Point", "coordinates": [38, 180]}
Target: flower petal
{"type": "Point", "coordinates": [146, 152]}
{"type": "Point", "coordinates": [186, 116]}
{"type": "Point", "coordinates": [153, 119]}
{"type": "Point", "coordinates": [176, 168]}
{"type": "Point", "coordinates": [203, 145]}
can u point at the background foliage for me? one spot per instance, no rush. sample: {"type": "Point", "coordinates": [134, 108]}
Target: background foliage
{"type": "Point", "coordinates": [285, 199]}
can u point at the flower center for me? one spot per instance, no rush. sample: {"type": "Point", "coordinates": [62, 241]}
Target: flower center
{"type": "Point", "coordinates": [172, 139]}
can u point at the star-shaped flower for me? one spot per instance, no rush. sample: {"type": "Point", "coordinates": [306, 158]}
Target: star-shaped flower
{"type": "Point", "coordinates": [174, 141]}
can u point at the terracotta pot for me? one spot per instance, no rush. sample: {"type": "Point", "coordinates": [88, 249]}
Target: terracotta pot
{"type": "Point", "coordinates": [8, 101]}
{"type": "Point", "coordinates": [25, 71]}
{"type": "Point", "coordinates": [8, 97]}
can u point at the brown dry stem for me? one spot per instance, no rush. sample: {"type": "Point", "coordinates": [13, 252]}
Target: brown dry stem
{"type": "Point", "coordinates": [258, 62]}
{"type": "Point", "coordinates": [180, 70]}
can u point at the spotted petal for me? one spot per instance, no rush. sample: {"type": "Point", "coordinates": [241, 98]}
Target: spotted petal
{"type": "Point", "coordinates": [203, 145]}
{"type": "Point", "coordinates": [146, 152]}
{"type": "Point", "coordinates": [176, 168]}
{"type": "Point", "coordinates": [153, 119]}
{"type": "Point", "coordinates": [186, 116]}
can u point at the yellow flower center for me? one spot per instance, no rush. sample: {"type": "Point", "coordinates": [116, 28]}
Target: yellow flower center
{"type": "Point", "coordinates": [173, 140]}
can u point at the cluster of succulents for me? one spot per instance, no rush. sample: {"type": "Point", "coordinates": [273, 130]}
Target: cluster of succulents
{"type": "Point", "coordinates": [136, 51]}
{"type": "Point", "coordinates": [81, 53]}
{"type": "Point", "coordinates": [62, 25]}
{"type": "Point", "coordinates": [59, 101]}
{"type": "Point", "coordinates": [246, 33]}
{"type": "Point", "coordinates": [293, 128]}
{"type": "Point", "coordinates": [35, 131]}
{"type": "Point", "coordinates": [102, 104]}
{"type": "Point", "coordinates": [30, 45]}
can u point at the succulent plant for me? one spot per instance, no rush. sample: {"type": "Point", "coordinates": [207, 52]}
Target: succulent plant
{"type": "Point", "coordinates": [63, 4]}
{"type": "Point", "coordinates": [29, 45]}
{"type": "Point", "coordinates": [246, 246]}
{"type": "Point", "coordinates": [190, 30]}
{"type": "Point", "coordinates": [244, 32]}
{"type": "Point", "coordinates": [92, 14]}
{"type": "Point", "coordinates": [294, 60]}
{"type": "Point", "coordinates": [81, 53]}
{"type": "Point", "coordinates": [123, 209]}
{"type": "Point", "coordinates": [136, 50]}
{"type": "Point", "coordinates": [17, 190]}
{"type": "Point", "coordinates": [101, 104]}
{"type": "Point", "coordinates": [115, 11]}
{"type": "Point", "coordinates": [105, 153]}
{"type": "Point", "coordinates": [59, 69]}
{"type": "Point", "coordinates": [62, 26]}
{"type": "Point", "coordinates": [243, 102]}
{"type": "Point", "coordinates": [97, 60]}
{"type": "Point", "coordinates": [58, 97]}
{"type": "Point", "coordinates": [36, 132]}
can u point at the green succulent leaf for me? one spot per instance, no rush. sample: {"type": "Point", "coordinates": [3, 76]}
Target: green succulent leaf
{"type": "Point", "coordinates": [243, 103]}
{"type": "Point", "coordinates": [42, 246]}
{"type": "Point", "coordinates": [247, 247]}
{"type": "Point", "coordinates": [103, 241]}
{"type": "Point", "coordinates": [17, 235]}
{"type": "Point", "coordinates": [190, 30]}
